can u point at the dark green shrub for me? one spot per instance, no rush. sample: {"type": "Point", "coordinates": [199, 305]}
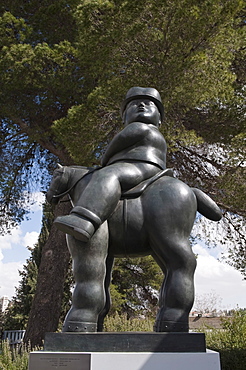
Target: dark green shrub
{"type": "Point", "coordinates": [121, 323]}
{"type": "Point", "coordinates": [13, 359]}
{"type": "Point", "coordinates": [230, 341]}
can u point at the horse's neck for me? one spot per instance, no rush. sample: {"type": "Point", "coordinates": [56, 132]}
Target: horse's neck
{"type": "Point", "coordinates": [76, 173]}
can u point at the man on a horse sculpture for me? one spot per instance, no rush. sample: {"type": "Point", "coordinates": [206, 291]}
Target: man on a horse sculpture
{"type": "Point", "coordinates": [113, 217]}
{"type": "Point", "coordinates": [135, 154]}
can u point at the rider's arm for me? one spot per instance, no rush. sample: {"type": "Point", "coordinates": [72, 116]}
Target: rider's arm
{"type": "Point", "coordinates": [126, 138]}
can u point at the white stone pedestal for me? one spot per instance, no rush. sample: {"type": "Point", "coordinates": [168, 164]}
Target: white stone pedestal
{"type": "Point", "coordinates": [45, 360]}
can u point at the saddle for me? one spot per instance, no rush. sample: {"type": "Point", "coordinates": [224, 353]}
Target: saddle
{"type": "Point", "coordinates": [140, 188]}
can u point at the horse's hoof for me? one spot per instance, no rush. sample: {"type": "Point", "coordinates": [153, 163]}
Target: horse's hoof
{"type": "Point", "coordinates": [76, 226]}
{"type": "Point", "coordinates": [171, 326]}
{"type": "Point", "coordinates": [79, 327]}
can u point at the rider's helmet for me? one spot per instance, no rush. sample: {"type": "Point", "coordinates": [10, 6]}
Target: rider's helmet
{"type": "Point", "coordinates": [143, 92]}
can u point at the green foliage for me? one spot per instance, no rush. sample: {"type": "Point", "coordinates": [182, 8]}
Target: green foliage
{"type": "Point", "coordinates": [117, 300]}
{"type": "Point", "coordinates": [135, 286]}
{"type": "Point", "coordinates": [230, 341]}
{"type": "Point", "coordinates": [29, 97]}
{"type": "Point", "coordinates": [13, 30]}
{"type": "Point", "coordinates": [15, 358]}
{"type": "Point", "coordinates": [175, 46]}
{"type": "Point", "coordinates": [118, 323]}
{"type": "Point", "coordinates": [233, 335]}
{"type": "Point", "coordinates": [48, 20]}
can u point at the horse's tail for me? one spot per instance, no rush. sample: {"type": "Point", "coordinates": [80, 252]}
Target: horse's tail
{"type": "Point", "coordinates": [206, 206]}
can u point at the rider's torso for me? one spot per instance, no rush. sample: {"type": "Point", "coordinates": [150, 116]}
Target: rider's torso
{"type": "Point", "coordinates": [151, 148]}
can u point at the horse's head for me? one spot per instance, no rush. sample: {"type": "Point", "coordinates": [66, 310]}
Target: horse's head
{"type": "Point", "coordinates": [58, 185]}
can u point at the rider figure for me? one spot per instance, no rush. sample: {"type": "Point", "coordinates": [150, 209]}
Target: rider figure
{"type": "Point", "coordinates": [135, 154]}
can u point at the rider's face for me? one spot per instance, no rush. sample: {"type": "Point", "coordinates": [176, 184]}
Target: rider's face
{"type": "Point", "coordinates": [142, 110]}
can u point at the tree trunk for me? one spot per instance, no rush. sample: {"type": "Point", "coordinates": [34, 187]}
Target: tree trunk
{"type": "Point", "coordinates": [46, 305]}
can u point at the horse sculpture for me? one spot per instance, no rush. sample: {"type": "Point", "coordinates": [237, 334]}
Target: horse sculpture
{"type": "Point", "coordinates": [158, 222]}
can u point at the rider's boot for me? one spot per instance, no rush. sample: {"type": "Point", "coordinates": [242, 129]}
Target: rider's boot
{"type": "Point", "coordinates": [81, 223]}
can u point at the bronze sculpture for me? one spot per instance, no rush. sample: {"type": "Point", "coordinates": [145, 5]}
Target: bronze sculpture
{"type": "Point", "coordinates": [137, 153]}
{"type": "Point", "coordinates": [113, 217]}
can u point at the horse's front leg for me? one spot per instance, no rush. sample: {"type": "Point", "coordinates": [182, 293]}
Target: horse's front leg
{"type": "Point", "coordinates": [105, 310]}
{"type": "Point", "coordinates": [89, 271]}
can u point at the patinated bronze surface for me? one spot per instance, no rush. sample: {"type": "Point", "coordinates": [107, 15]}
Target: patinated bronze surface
{"type": "Point", "coordinates": [111, 219]}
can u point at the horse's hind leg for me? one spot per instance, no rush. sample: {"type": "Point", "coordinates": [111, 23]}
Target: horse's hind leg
{"type": "Point", "coordinates": [89, 273]}
{"type": "Point", "coordinates": [178, 263]}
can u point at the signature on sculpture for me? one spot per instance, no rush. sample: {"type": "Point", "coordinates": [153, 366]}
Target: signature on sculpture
{"type": "Point", "coordinates": [131, 205]}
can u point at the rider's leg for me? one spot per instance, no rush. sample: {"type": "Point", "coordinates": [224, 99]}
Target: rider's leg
{"type": "Point", "coordinates": [100, 197]}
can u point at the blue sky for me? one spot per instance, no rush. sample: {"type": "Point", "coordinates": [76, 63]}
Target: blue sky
{"type": "Point", "coordinates": [211, 275]}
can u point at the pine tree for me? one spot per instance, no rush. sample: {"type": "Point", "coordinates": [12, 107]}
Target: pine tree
{"type": "Point", "coordinates": [135, 286]}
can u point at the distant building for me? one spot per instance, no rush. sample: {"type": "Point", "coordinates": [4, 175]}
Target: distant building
{"type": "Point", "coordinates": [202, 323]}
{"type": "Point", "coordinates": [4, 302]}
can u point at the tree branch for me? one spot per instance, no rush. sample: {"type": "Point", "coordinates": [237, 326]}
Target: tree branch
{"type": "Point", "coordinates": [214, 163]}
{"type": "Point", "coordinates": [59, 151]}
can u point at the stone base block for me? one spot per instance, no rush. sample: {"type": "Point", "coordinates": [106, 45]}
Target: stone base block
{"type": "Point", "coordinates": [44, 360]}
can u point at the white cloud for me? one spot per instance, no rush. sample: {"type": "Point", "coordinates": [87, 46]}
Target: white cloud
{"type": "Point", "coordinates": [13, 251]}
{"type": "Point", "coordinates": [9, 277]}
{"type": "Point", "coordinates": [29, 239]}
{"type": "Point", "coordinates": [16, 237]}
{"type": "Point", "coordinates": [219, 277]}
{"type": "Point", "coordinates": [16, 241]}
{"type": "Point", "coordinates": [6, 241]}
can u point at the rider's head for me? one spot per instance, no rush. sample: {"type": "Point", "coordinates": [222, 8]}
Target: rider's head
{"type": "Point", "coordinates": [142, 104]}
